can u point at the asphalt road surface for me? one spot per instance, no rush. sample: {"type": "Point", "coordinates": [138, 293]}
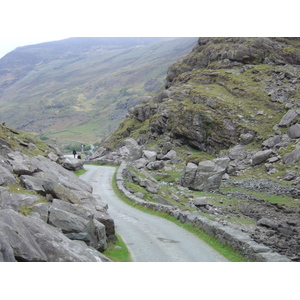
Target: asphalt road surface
{"type": "Point", "coordinates": [148, 238]}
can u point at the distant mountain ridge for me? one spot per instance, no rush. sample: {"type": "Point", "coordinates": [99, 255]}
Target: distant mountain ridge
{"type": "Point", "coordinates": [81, 88]}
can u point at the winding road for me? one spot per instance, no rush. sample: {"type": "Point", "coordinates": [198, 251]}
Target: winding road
{"type": "Point", "coordinates": [148, 238]}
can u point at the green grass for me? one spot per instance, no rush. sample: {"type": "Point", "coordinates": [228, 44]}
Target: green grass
{"type": "Point", "coordinates": [279, 199]}
{"type": "Point", "coordinates": [79, 172]}
{"type": "Point", "coordinates": [224, 250]}
{"type": "Point", "coordinates": [118, 251]}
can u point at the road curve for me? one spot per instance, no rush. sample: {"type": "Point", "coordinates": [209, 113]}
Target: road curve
{"type": "Point", "coordinates": [148, 238]}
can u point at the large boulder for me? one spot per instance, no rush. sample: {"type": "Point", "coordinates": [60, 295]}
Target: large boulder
{"type": "Point", "coordinates": [261, 156]}
{"type": "Point", "coordinates": [22, 164]}
{"type": "Point", "coordinates": [289, 118]}
{"type": "Point", "coordinates": [33, 240]}
{"type": "Point", "coordinates": [150, 155]}
{"type": "Point", "coordinates": [206, 176]}
{"type": "Point", "coordinates": [6, 173]}
{"type": "Point", "coordinates": [78, 223]}
{"type": "Point", "coordinates": [130, 150]}
{"type": "Point", "coordinates": [293, 156]}
{"type": "Point", "coordinates": [99, 209]}
{"type": "Point", "coordinates": [294, 131]}
{"type": "Point", "coordinates": [150, 186]}
{"type": "Point", "coordinates": [60, 192]}
{"type": "Point", "coordinates": [72, 164]}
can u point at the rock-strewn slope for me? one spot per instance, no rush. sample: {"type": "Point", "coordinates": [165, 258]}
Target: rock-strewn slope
{"type": "Point", "coordinates": [225, 88]}
{"type": "Point", "coordinates": [226, 126]}
{"type": "Point", "coordinates": [46, 212]}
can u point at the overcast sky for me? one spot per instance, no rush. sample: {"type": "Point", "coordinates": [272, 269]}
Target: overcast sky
{"type": "Point", "coordinates": [34, 21]}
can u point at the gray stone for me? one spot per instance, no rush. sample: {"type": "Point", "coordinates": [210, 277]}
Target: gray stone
{"type": "Point", "coordinates": [150, 186]}
{"type": "Point", "coordinates": [6, 251]}
{"type": "Point", "coordinates": [33, 184]}
{"type": "Point", "coordinates": [274, 257]}
{"type": "Point", "coordinates": [236, 152]}
{"type": "Point", "coordinates": [15, 201]}
{"type": "Point", "coordinates": [293, 156]}
{"type": "Point", "coordinates": [261, 156]}
{"type": "Point", "coordinates": [290, 175]}
{"type": "Point", "coordinates": [272, 141]}
{"type": "Point", "coordinates": [289, 118]}
{"type": "Point", "coordinates": [175, 197]}
{"type": "Point", "coordinates": [53, 157]}
{"type": "Point", "coordinates": [294, 131]}
{"type": "Point", "coordinates": [150, 155]}
{"type": "Point", "coordinates": [99, 152]}
{"type": "Point", "coordinates": [22, 164]}
{"type": "Point", "coordinates": [77, 222]}
{"type": "Point", "coordinates": [140, 163]}
{"type": "Point", "coordinates": [42, 209]}
{"type": "Point", "coordinates": [99, 209]}
{"type": "Point", "coordinates": [170, 155]}
{"type": "Point", "coordinates": [166, 147]}
{"type": "Point", "coordinates": [72, 164]}
{"type": "Point", "coordinates": [6, 174]}
{"type": "Point", "coordinates": [246, 138]}
{"type": "Point", "coordinates": [189, 174]}
{"type": "Point", "coordinates": [33, 240]}
{"type": "Point", "coordinates": [207, 176]}
{"type": "Point", "coordinates": [200, 201]}
{"type": "Point", "coordinates": [155, 165]}
{"type": "Point", "coordinates": [130, 150]}
{"type": "Point", "coordinates": [60, 192]}
{"type": "Point", "coordinates": [267, 223]}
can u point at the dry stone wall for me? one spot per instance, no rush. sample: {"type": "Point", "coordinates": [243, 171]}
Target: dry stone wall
{"type": "Point", "coordinates": [236, 239]}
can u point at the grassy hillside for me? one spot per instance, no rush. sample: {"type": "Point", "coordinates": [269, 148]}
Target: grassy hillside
{"type": "Point", "coordinates": [82, 90]}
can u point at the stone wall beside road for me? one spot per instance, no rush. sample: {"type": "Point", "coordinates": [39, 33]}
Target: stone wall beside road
{"type": "Point", "coordinates": [237, 240]}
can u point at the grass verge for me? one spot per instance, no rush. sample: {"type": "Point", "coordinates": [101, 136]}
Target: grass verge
{"type": "Point", "coordinates": [118, 251]}
{"type": "Point", "coordinates": [79, 172]}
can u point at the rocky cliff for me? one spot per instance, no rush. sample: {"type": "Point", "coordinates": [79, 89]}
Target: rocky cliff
{"type": "Point", "coordinates": [225, 88]}
{"type": "Point", "coordinates": [47, 213]}
{"type": "Point", "coordinates": [224, 127]}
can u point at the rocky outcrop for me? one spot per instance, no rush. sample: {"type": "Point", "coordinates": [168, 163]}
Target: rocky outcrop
{"type": "Point", "coordinates": [206, 176]}
{"type": "Point", "coordinates": [31, 239]}
{"type": "Point", "coordinates": [46, 212]}
{"type": "Point", "coordinates": [212, 95]}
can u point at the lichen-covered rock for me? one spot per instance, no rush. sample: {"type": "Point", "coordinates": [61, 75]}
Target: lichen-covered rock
{"type": "Point", "coordinates": [206, 176]}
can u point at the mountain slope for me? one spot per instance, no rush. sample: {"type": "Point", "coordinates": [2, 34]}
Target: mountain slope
{"type": "Point", "coordinates": [222, 140]}
{"type": "Point", "coordinates": [224, 88]}
{"type": "Point", "coordinates": [81, 88]}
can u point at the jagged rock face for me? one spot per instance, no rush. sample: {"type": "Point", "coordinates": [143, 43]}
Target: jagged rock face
{"type": "Point", "coordinates": [33, 240]}
{"type": "Point", "coordinates": [228, 52]}
{"type": "Point", "coordinates": [46, 212]}
{"type": "Point", "coordinates": [226, 90]}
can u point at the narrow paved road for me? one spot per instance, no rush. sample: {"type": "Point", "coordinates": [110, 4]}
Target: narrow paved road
{"type": "Point", "coordinates": [148, 238]}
